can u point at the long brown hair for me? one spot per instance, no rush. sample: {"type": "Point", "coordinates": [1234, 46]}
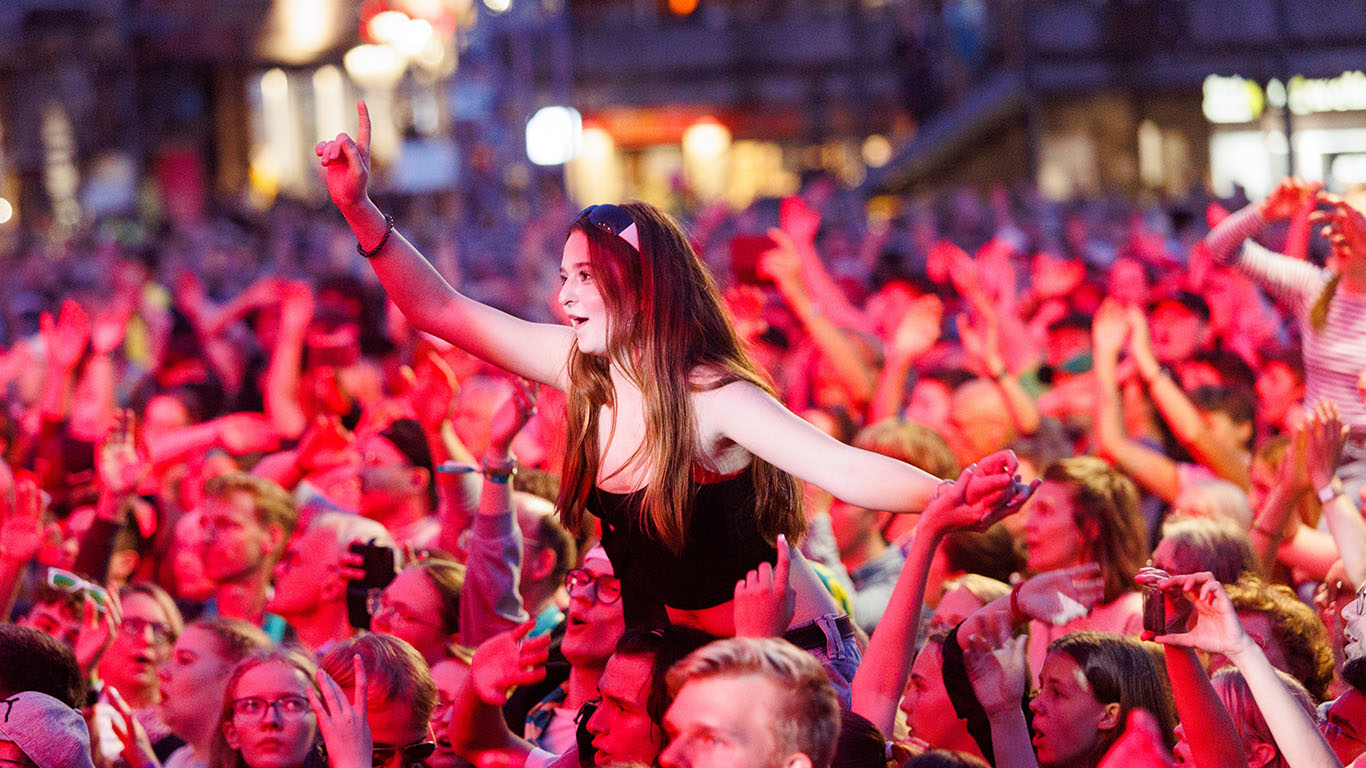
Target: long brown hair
{"type": "Point", "coordinates": [666, 326]}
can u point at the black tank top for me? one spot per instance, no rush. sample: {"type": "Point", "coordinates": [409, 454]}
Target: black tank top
{"type": "Point", "coordinates": [722, 544]}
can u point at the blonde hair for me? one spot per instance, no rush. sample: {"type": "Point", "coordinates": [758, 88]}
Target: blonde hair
{"type": "Point", "coordinates": [1247, 716]}
{"type": "Point", "coordinates": [807, 714]}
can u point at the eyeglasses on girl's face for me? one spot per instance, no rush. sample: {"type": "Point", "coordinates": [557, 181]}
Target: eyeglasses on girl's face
{"type": "Point", "coordinates": [291, 707]}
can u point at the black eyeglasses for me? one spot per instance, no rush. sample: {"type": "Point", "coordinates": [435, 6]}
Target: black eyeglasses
{"type": "Point", "coordinates": [290, 707]}
{"type": "Point", "coordinates": [606, 588]}
{"type": "Point", "coordinates": [614, 220]}
{"type": "Point", "coordinates": [413, 754]}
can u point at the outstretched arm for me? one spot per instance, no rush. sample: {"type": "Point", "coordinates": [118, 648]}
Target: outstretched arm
{"type": "Point", "coordinates": [742, 413]}
{"type": "Point", "coordinates": [536, 351]}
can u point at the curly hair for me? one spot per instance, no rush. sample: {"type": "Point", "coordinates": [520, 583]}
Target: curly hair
{"type": "Point", "coordinates": [1295, 627]}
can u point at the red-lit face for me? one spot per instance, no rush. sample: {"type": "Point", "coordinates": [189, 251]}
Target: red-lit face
{"type": "Point", "coordinates": [580, 297]}
{"type": "Point", "coordinates": [1052, 537]}
{"type": "Point", "coordinates": [1068, 720]}
{"type": "Point", "coordinates": [1278, 390]}
{"type": "Point", "coordinates": [1177, 332]}
{"type": "Point", "coordinates": [621, 726]}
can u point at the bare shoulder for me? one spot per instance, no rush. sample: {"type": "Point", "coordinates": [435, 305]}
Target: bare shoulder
{"type": "Point", "coordinates": [724, 394]}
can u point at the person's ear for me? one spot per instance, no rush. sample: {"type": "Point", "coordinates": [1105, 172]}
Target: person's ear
{"type": "Point", "coordinates": [1113, 717]}
{"type": "Point", "coordinates": [797, 760]}
{"type": "Point", "coordinates": [1260, 755]}
{"type": "Point", "coordinates": [123, 564]}
{"type": "Point", "coordinates": [230, 736]}
{"type": "Point", "coordinates": [275, 540]}
{"type": "Point", "coordinates": [418, 478]}
{"type": "Point", "coordinates": [542, 564]}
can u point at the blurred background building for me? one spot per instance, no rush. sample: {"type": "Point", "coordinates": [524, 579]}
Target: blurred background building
{"type": "Point", "coordinates": [109, 105]}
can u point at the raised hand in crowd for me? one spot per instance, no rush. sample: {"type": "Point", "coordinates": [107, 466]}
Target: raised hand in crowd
{"type": "Point", "coordinates": [344, 724]}
{"type": "Point", "coordinates": [64, 342]}
{"type": "Point", "coordinates": [916, 333]}
{"type": "Point", "coordinates": [1111, 328]}
{"type": "Point", "coordinates": [881, 678]}
{"type": "Point", "coordinates": [1215, 629]}
{"type": "Point", "coordinates": [1324, 438]}
{"type": "Point", "coordinates": [137, 746]}
{"type": "Point", "coordinates": [22, 533]}
{"type": "Point", "coordinates": [1058, 597]}
{"type": "Point", "coordinates": [764, 599]}
{"type": "Point", "coordinates": [99, 626]}
{"type": "Point", "coordinates": [121, 461]}
{"type": "Point", "coordinates": [999, 673]}
{"type": "Point", "coordinates": [1288, 198]}
{"type": "Point", "coordinates": [507, 660]}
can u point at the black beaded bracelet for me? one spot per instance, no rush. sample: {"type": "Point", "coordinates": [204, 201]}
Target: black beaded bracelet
{"type": "Point", "coordinates": [388, 228]}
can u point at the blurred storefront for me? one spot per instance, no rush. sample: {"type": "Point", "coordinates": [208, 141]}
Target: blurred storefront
{"type": "Point", "coordinates": [1309, 127]}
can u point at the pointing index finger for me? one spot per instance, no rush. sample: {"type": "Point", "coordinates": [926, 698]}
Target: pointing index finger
{"type": "Point", "coordinates": [363, 131]}
{"type": "Point", "coordinates": [784, 562]}
{"type": "Point", "coordinates": [360, 698]}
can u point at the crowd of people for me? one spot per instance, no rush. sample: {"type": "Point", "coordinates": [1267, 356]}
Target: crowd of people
{"type": "Point", "coordinates": [993, 480]}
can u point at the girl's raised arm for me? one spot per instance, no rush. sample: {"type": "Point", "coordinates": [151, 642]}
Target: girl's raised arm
{"type": "Point", "coordinates": [537, 351]}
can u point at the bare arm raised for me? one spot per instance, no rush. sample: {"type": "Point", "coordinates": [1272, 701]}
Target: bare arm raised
{"type": "Point", "coordinates": [536, 351]}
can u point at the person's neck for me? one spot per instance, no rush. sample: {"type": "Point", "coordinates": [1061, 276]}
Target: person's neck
{"type": "Point", "coordinates": [582, 686]}
{"type": "Point", "coordinates": [201, 741]}
{"type": "Point", "coordinates": [865, 550]}
{"type": "Point", "coordinates": [326, 624]}
{"type": "Point", "coordinates": [244, 598]}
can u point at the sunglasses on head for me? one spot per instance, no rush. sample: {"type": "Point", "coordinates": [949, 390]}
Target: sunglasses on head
{"type": "Point", "coordinates": [614, 220]}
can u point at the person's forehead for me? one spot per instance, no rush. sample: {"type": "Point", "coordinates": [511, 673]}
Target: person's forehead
{"type": "Point", "coordinates": [448, 674]}
{"type": "Point", "coordinates": [270, 679]}
{"type": "Point", "coordinates": [198, 641]}
{"type": "Point", "coordinates": [237, 505]}
{"type": "Point", "coordinates": [626, 679]}
{"type": "Point", "coordinates": [142, 606]}
{"type": "Point", "coordinates": [575, 250]}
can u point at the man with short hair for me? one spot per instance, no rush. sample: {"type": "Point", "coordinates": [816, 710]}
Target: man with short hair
{"type": "Point", "coordinates": [396, 484]}
{"type": "Point", "coordinates": [33, 661]}
{"type": "Point", "coordinates": [401, 698]}
{"type": "Point", "coordinates": [623, 727]}
{"type": "Point", "coordinates": [310, 580]}
{"type": "Point", "coordinates": [247, 520]}
{"type": "Point", "coordinates": [750, 703]}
